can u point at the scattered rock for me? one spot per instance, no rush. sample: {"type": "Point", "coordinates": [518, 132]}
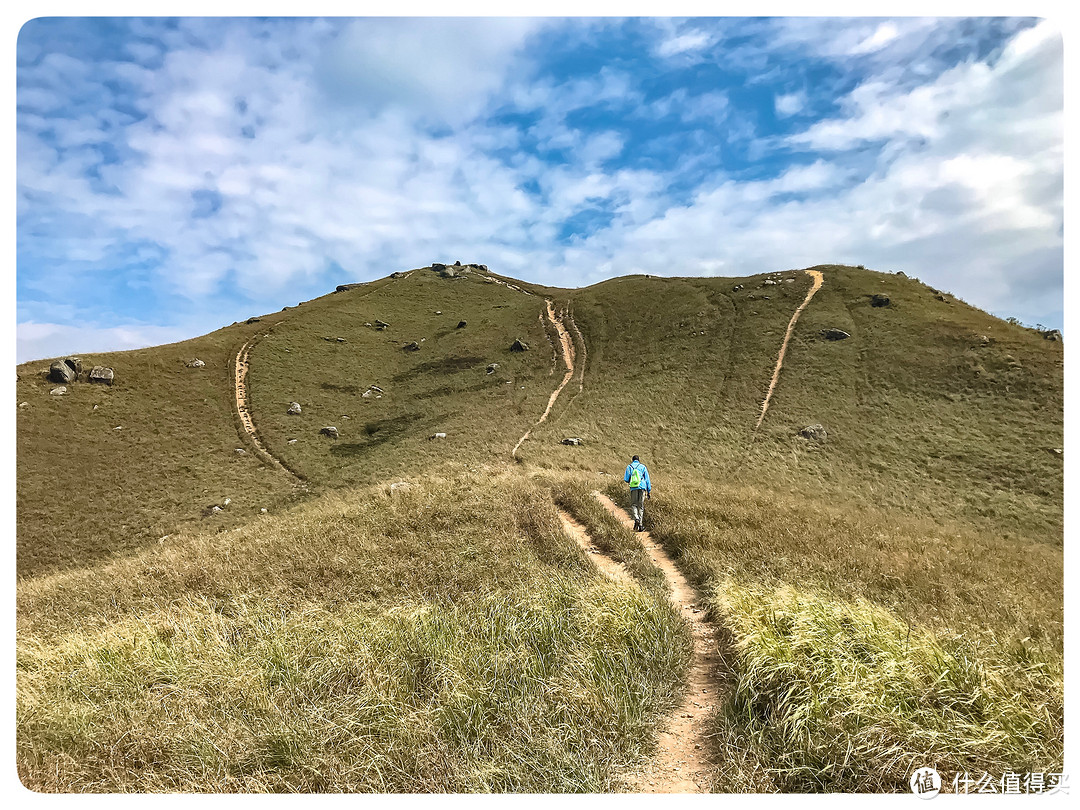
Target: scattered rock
{"type": "Point", "coordinates": [253, 320]}
{"type": "Point", "coordinates": [573, 442]}
{"type": "Point", "coordinates": [294, 409]}
{"type": "Point", "coordinates": [240, 451]}
{"type": "Point", "coordinates": [196, 363]}
{"type": "Point", "coordinates": [437, 266]}
{"type": "Point", "coordinates": [399, 274]}
{"type": "Point", "coordinates": [941, 297]}
{"type": "Point", "coordinates": [226, 502]}
{"type": "Point", "coordinates": [59, 391]}
{"type": "Point", "coordinates": [834, 334]}
{"type": "Point", "coordinates": [1057, 451]}
{"type": "Point", "coordinates": [437, 436]}
{"type": "Point", "coordinates": [491, 368]}
{"type": "Point", "coordinates": [344, 287]}
{"type": "Point", "coordinates": [263, 511]}
{"type": "Point", "coordinates": [118, 427]}
{"type": "Point", "coordinates": [75, 364]}
{"type": "Point", "coordinates": [341, 340]}
{"type": "Point", "coordinates": [815, 433]}
{"type": "Point", "coordinates": [768, 283]}
{"type": "Point", "coordinates": [292, 441]}
{"type": "Point", "coordinates": [215, 509]}
{"type": "Point", "coordinates": [519, 345]}
{"type": "Point", "coordinates": [375, 388]}
{"type": "Point", "coordinates": [984, 340]}
{"type": "Point", "coordinates": [789, 281]}
{"type": "Point", "coordinates": [61, 372]}
{"type": "Point", "coordinates": [101, 374]}
{"type": "Point", "coordinates": [879, 300]}
{"type": "Point", "coordinates": [400, 487]}
{"type": "Point", "coordinates": [736, 288]}
{"type": "Point", "coordinates": [457, 263]}
{"type": "Point", "coordinates": [412, 347]}
{"type": "Point", "coordinates": [438, 312]}
{"type": "Point", "coordinates": [381, 324]}
{"type": "Point", "coordinates": [330, 431]}
{"type": "Point", "coordinates": [462, 324]}
{"type": "Point", "coordinates": [1052, 334]}
{"type": "Point", "coordinates": [901, 273]}
{"type": "Point", "coordinates": [24, 404]}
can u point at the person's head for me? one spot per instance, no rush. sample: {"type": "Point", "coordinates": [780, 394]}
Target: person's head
{"type": "Point", "coordinates": [635, 458]}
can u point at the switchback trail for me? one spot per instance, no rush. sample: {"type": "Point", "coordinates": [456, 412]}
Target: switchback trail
{"type": "Point", "coordinates": [818, 280]}
{"type": "Point", "coordinates": [568, 359]}
{"type": "Point", "coordinates": [681, 763]}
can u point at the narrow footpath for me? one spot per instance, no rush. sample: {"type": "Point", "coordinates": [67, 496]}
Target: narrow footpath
{"type": "Point", "coordinates": [681, 763]}
{"type": "Point", "coordinates": [818, 280]}
{"type": "Point", "coordinates": [568, 359]}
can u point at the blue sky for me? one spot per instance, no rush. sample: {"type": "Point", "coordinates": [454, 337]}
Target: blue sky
{"type": "Point", "coordinates": [175, 175]}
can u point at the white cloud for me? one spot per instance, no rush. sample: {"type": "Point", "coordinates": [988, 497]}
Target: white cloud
{"type": "Point", "coordinates": [788, 104]}
{"type": "Point", "coordinates": [37, 341]}
{"type": "Point", "coordinates": [688, 42]}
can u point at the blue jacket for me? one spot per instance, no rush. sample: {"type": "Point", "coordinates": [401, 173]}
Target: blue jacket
{"type": "Point", "coordinates": [645, 483]}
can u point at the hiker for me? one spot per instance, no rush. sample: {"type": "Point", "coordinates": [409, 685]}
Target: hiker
{"type": "Point", "coordinates": [637, 476]}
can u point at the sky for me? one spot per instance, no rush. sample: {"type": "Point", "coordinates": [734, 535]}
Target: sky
{"type": "Point", "coordinates": [176, 175]}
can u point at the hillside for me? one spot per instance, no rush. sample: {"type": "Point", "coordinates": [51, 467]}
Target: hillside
{"type": "Point", "coordinates": [935, 502]}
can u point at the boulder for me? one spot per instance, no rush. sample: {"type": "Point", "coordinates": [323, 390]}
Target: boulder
{"type": "Point", "coordinates": [736, 288]}
{"type": "Point", "coordinates": [462, 324]}
{"type": "Point", "coordinates": [399, 274]}
{"type": "Point", "coordinates": [340, 340]}
{"type": "Point", "coordinates": [576, 441]}
{"type": "Point", "coordinates": [438, 312]}
{"type": "Point", "coordinates": [834, 334]}
{"type": "Point", "coordinates": [381, 324]}
{"type": "Point", "coordinates": [294, 409]}
{"type": "Point", "coordinates": [1057, 451]}
{"type": "Point", "coordinates": [519, 345]}
{"type": "Point", "coordinates": [196, 363]}
{"type": "Point", "coordinates": [901, 273]}
{"type": "Point", "coordinates": [768, 282]}
{"type": "Point", "coordinates": [412, 347]}
{"type": "Point", "coordinates": [1052, 334]}
{"type": "Point", "coordinates": [75, 364]}
{"type": "Point", "coordinates": [815, 433]}
{"type": "Point", "coordinates": [437, 436]}
{"type": "Point", "coordinates": [240, 451]}
{"type": "Point", "coordinates": [491, 368]}
{"type": "Point", "coordinates": [253, 320]}
{"type": "Point", "coordinates": [457, 263]}
{"type": "Point", "coordinates": [102, 375]}
{"type": "Point", "coordinates": [344, 287]}
{"type": "Point", "coordinates": [61, 372]}
{"type": "Point", "coordinates": [330, 431]}
{"type": "Point", "coordinates": [879, 300]}
{"type": "Point", "coordinates": [438, 266]}
{"type": "Point", "coordinates": [59, 391]}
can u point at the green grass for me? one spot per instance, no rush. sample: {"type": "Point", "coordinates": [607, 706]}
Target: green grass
{"type": "Point", "coordinates": [451, 638]}
{"type": "Point", "coordinates": [866, 644]}
{"type": "Point", "coordinates": [353, 644]}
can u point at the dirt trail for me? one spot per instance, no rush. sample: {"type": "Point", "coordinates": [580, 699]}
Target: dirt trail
{"type": "Point", "coordinates": [681, 763]}
{"type": "Point", "coordinates": [818, 280]}
{"type": "Point", "coordinates": [568, 358]}
{"type": "Point", "coordinates": [615, 570]}
{"type": "Point", "coordinates": [241, 370]}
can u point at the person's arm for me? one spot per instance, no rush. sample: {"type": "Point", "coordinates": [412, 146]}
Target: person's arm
{"type": "Point", "coordinates": [626, 475]}
{"type": "Point", "coordinates": [648, 485]}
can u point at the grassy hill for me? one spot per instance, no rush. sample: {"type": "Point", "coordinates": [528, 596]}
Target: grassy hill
{"type": "Point", "coordinates": [935, 503]}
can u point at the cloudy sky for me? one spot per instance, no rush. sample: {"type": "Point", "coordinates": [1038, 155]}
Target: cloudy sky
{"type": "Point", "coordinates": [177, 175]}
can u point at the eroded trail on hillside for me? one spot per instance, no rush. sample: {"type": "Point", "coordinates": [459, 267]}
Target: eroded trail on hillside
{"type": "Point", "coordinates": [818, 280]}
{"type": "Point", "coordinates": [556, 320]}
{"type": "Point", "coordinates": [609, 566]}
{"type": "Point", "coordinates": [243, 409]}
{"type": "Point", "coordinates": [682, 761]}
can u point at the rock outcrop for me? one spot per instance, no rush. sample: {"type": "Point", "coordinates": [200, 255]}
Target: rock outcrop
{"type": "Point", "coordinates": [834, 334]}
{"type": "Point", "coordinates": [815, 433]}
{"type": "Point", "coordinates": [519, 345]}
{"type": "Point", "coordinates": [102, 375]}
